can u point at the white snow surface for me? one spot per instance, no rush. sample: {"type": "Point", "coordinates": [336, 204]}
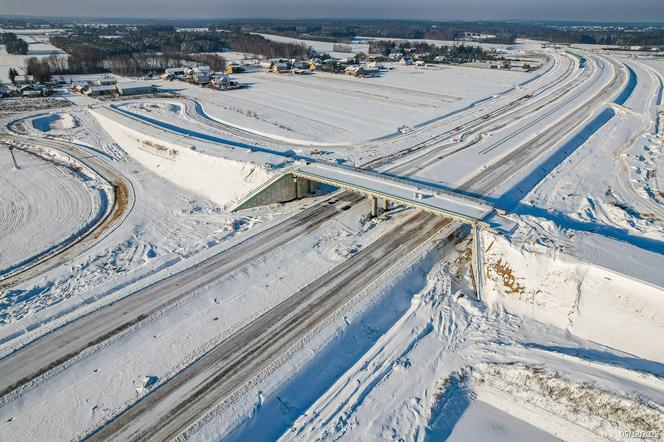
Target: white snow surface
{"type": "Point", "coordinates": [562, 345]}
{"type": "Point", "coordinates": [41, 203]}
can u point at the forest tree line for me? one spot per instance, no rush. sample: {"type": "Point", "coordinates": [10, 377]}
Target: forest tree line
{"type": "Point", "coordinates": [344, 31]}
{"type": "Point", "coordinates": [13, 44]}
{"type": "Point", "coordinates": [142, 50]}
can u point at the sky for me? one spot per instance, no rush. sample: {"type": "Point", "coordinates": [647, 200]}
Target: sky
{"type": "Point", "coordinates": [586, 10]}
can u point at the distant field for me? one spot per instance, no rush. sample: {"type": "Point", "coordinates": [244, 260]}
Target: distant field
{"type": "Point", "coordinates": [338, 108]}
{"type": "Point", "coordinates": [38, 46]}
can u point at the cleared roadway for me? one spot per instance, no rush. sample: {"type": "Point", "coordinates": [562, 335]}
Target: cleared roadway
{"type": "Point", "coordinates": [68, 341]}
{"type": "Point", "coordinates": [178, 403]}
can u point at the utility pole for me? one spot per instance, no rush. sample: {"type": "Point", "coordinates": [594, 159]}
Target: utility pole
{"type": "Point", "coordinates": [11, 151]}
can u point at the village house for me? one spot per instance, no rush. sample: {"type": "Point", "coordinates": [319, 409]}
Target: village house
{"type": "Point", "coordinates": [279, 67]}
{"type": "Point", "coordinates": [30, 90]}
{"type": "Point", "coordinates": [355, 71]}
{"type": "Point", "coordinates": [234, 69]}
{"type": "Point", "coordinates": [223, 81]}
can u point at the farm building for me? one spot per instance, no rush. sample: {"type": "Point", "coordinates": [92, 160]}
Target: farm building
{"type": "Point", "coordinates": [106, 81]}
{"type": "Point", "coordinates": [97, 90]}
{"type": "Point", "coordinates": [135, 87]}
{"type": "Point", "coordinates": [355, 71]}
{"type": "Point", "coordinates": [234, 69]}
{"type": "Point", "coordinates": [223, 82]}
{"type": "Point", "coordinates": [30, 90]}
{"type": "Point", "coordinates": [279, 67]}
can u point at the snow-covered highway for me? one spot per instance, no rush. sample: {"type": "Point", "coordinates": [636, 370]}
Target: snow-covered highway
{"type": "Point", "coordinates": [204, 327]}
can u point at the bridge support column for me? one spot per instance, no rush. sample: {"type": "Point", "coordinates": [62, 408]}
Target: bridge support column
{"type": "Point", "coordinates": [476, 259]}
{"type": "Point", "coordinates": [374, 206]}
{"type": "Point", "coordinates": [386, 205]}
{"type": "Point", "coordinates": [298, 188]}
{"type": "Point", "coordinates": [312, 187]}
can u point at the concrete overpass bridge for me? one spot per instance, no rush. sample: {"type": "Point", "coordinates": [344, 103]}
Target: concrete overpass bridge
{"type": "Point", "coordinates": [302, 180]}
{"type": "Point", "coordinates": [299, 181]}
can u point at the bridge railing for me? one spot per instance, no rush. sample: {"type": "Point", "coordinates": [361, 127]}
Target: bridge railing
{"type": "Point", "coordinates": [408, 183]}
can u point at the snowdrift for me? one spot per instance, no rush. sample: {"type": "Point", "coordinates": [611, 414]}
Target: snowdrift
{"type": "Point", "coordinates": [220, 179]}
{"type": "Point", "coordinates": [530, 277]}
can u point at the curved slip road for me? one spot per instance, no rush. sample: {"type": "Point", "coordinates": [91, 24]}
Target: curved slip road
{"type": "Point", "coordinates": [83, 334]}
{"type": "Point", "coordinates": [38, 358]}
{"type": "Point", "coordinates": [121, 203]}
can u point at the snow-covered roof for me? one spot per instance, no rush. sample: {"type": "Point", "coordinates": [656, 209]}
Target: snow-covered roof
{"type": "Point", "coordinates": [137, 84]}
{"type": "Point", "coordinates": [102, 88]}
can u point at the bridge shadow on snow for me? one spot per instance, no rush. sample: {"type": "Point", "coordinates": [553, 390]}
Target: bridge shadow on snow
{"type": "Point", "coordinates": [308, 383]}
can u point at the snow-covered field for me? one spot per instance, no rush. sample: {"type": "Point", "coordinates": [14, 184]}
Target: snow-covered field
{"type": "Point", "coordinates": [42, 202]}
{"type": "Point", "coordinates": [563, 343]}
{"type": "Point", "coordinates": [38, 46]}
{"type": "Point", "coordinates": [340, 109]}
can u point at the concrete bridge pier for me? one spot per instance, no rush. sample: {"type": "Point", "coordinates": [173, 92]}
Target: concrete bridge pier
{"type": "Point", "coordinates": [386, 205]}
{"type": "Point", "coordinates": [303, 187]}
{"type": "Point", "coordinates": [374, 206]}
{"type": "Point", "coordinates": [476, 259]}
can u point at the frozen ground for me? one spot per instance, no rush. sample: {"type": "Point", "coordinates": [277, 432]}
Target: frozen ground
{"type": "Point", "coordinates": [629, 146]}
{"type": "Point", "coordinates": [561, 346]}
{"type": "Point", "coordinates": [421, 368]}
{"type": "Point", "coordinates": [163, 346]}
{"type": "Point", "coordinates": [341, 109]}
{"type": "Point", "coordinates": [41, 203]}
{"type": "Point", "coordinates": [165, 225]}
{"type": "Point", "coordinates": [38, 46]}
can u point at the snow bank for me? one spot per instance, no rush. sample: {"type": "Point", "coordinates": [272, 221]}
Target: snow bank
{"type": "Point", "coordinates": [222, 180]}
{"type": "Point", "coordinates": [529, 276]}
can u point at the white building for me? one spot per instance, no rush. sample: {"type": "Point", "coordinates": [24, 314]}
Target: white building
{"type": "Point", "coordinates": [135, 88]}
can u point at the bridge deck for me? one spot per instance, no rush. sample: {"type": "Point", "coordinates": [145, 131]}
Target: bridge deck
{"type": "Point", "coordinates": [412, 194]}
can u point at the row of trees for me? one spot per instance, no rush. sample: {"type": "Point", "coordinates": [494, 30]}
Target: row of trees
{"type": "Point", "coordinates": [40, 68]}
{"type": "Point", "coordinates": [86, 61]}
{"type": "Point", "coordinates": [139, 51]}
{"type": "Point", "coordinates": [153, 39]}
{"type": "Point", "coordinates": [13, 44]}
{"type": "Point", "coordinates": [343, 31]}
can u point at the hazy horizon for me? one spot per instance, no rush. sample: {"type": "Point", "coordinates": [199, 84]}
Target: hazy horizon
{"type": "Point", "coordinates": [620, 11]}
